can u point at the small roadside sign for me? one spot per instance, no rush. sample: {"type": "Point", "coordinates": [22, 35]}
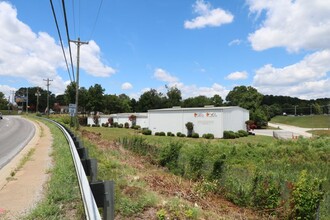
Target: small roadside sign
{"type": "Point", "coordinates": [72, 109]}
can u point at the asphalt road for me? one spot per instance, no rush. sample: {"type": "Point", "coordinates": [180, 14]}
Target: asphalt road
{"type": "Point", "coordinates": [15, 133]}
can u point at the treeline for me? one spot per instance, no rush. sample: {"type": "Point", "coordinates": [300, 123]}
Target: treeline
{"type": "Point", "coordinates": [262, 107]}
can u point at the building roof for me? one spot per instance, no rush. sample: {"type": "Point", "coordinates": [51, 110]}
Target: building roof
{"type": "Point", "coordinates": [137, 114]}
{"type": "Point", "coordinates": [207, 107]}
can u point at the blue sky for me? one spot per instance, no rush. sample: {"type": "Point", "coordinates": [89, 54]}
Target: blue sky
{"type": "Point", "coordinates": [202, 47]}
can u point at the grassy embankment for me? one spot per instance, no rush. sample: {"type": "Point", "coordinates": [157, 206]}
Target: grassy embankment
{"type": "Point", "coordinates": [62, 195]}
{"type": "Point", "coordinates": [256, 172]}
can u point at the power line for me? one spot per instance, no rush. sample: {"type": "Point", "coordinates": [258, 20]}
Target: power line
{"type": "Point", "coordinates": [74, 21]}
{"type": "Point", "coordinates": [97, 17]}
{"type": "Point", "coordinates": [67, 34]}
{"type": "Point", "coordinates": [59, 34]}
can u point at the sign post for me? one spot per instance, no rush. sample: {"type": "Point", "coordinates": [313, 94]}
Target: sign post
{"type": "Point", "coordinates": [72, 112]}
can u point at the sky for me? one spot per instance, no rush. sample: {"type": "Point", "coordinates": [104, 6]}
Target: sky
{"type": "Point", "coordinates": [202, 47]}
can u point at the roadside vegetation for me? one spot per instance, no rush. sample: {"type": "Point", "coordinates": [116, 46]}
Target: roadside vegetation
{"type": "Point", "coordinates": [62, 195]}
{"type": "Point", "coordinates": [277, 178]}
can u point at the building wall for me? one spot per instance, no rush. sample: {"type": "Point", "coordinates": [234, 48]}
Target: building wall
{"type": "Point", "coordinates": [206, 120]}
{"type": "Point", "coordinates": [121, 118]}
{"type": "Point", "coordinates": [234, 119]}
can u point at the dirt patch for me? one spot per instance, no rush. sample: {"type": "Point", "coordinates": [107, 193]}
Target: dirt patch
{"type": "Point", "coordinates": [21, 189]}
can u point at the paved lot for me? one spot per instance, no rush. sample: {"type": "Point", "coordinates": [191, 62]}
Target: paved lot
{"type": "Point", "coordinates": [287, 131]}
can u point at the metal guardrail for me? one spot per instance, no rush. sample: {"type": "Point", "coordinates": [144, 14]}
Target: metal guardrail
{"type": "Point", "coordinates": [90, 206]}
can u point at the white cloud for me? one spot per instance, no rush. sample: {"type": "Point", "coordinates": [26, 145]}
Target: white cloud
{"type": "Point", "coordinates": [295, 25]}
{"type": "Point", "coordinates": [126, 86]}
{"type": "Point", "coordinates": [237, 75]}
{"type": "Point", "coordinates": [208, 16]}
{"type": "Point", "coordinates": [164, 76]}
{"type": "Point", "coordinates": [193, 91]}
{"type": "Point", "coordinates": [36, 56]}
{"type": "Point", "coordinates": [91, 61]}
{"type": "Point", "coordinates": [307, 78]}
{"type": "Point", "coordinates": [6, 90]}
{"type": "Point", "coordinates": [188, 90]}
{"type": "Point", "coordinates": [235, 42]}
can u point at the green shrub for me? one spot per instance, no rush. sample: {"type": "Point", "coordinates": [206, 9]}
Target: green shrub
{"type": "Point", "coordinates": [306, 197]}
{"type": "Point", "coordinates": [229, 135]}
{"type": "Point", "coordinates": [195, 135]}
{"type": "Point", "coordinates": [136, 127]}
{"type": "Point", "coordinates": [126, 125]}
{"type": "Point", "coordinates": [182, 135]}
{"type": "Point", "coordinates": [243, 133]}
{"type": "Point", "coordinates": [218, 167]}
{"type": "Point", "coordinates": [169, 156]}
{"type": "Point", "coordinates": [115, 124]}
{"type": "Point", "coordinates": [178, 134]}
{"type": "Point", "coordinates": [66, 120]}
{"type": "Point", "coordinates": [161, 133]}
{"type": "Point", "coordinates": [208, 136]}
{"type": "Point", "coordinates": [196, 159]}
{"type": "Point", "coordinates": [146, 132]}
{"type": "Point", "coordinates": [265, 193]}
{"type": "Point", "coordinates": [120, 126]}
{"type": "Point", "coordinates": [170, 134]}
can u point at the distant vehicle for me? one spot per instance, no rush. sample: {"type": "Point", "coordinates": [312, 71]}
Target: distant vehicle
{"type": "Point", "coordinates": [0, 115]}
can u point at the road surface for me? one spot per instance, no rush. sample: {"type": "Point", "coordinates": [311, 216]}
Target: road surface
{"type": "Point", "coordinates": [15, 133]}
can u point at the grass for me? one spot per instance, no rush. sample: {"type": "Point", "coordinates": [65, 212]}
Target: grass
{"type": "Point", "coordinates": [22, 162]}
{"type": "Point", "coordinates": [62, 195]}
{"type": "Point", "coordinates": [314, 121]}
{"type": "Point", "coordinates": [113, 134]}
{"type": "Point", "coordinates": [320, 132]}
{"type": "Point", "coordinates": [246, 160]}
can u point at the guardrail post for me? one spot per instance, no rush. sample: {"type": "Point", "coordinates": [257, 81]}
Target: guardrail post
{"type": "Point", "coordinates": [90, 167]}
{"type": "Point", "coordinates": [83, 153]}
{"type": "Point", "coordinates": [104, 197]}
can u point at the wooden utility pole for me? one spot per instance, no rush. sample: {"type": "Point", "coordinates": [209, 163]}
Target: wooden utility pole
{"type": "Point", "coordinates": [78, 43]}
{"type": "Point", "coordinates": [37, 94]}
{"type": "Point", "coordinates": [48, 80]}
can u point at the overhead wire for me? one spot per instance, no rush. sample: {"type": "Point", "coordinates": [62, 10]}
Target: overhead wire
{"type": "Point", "coordinates": [68, 36]}
{"type": "Point", "coordinates": [59, 34]}
{"type": "Point", "coordinates": [96, 20]}
{"type": "Point", "coordinates": [74, 21]}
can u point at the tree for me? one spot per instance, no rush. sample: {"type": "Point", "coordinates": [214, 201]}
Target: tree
{"type": "Point", "coordinates": [70, 93]}
{"type": "Point", "coordinates": [150, 100]}
{"type": "Point", "coordinates": [125, 103]}
{"type": "Point", "coordinates": [174, 97]}
{"type": "Point", "coordinates": [95, 98]}
{"type": "Point", "coordinates": [3, 101]}
{"type": "Point", "coordinates": [245, 97]}
{"type": "Point", "coordinates": [83, 99]}
{"type": "Point", "coordinates": [198, 101]}
{"type": "Point", "coordinates": [217, 101]}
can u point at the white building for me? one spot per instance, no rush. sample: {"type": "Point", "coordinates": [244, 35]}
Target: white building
{"type": "Point", "coordinates": [208, 119]}
{"type": "Point", "coordinates": [121, 118]}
